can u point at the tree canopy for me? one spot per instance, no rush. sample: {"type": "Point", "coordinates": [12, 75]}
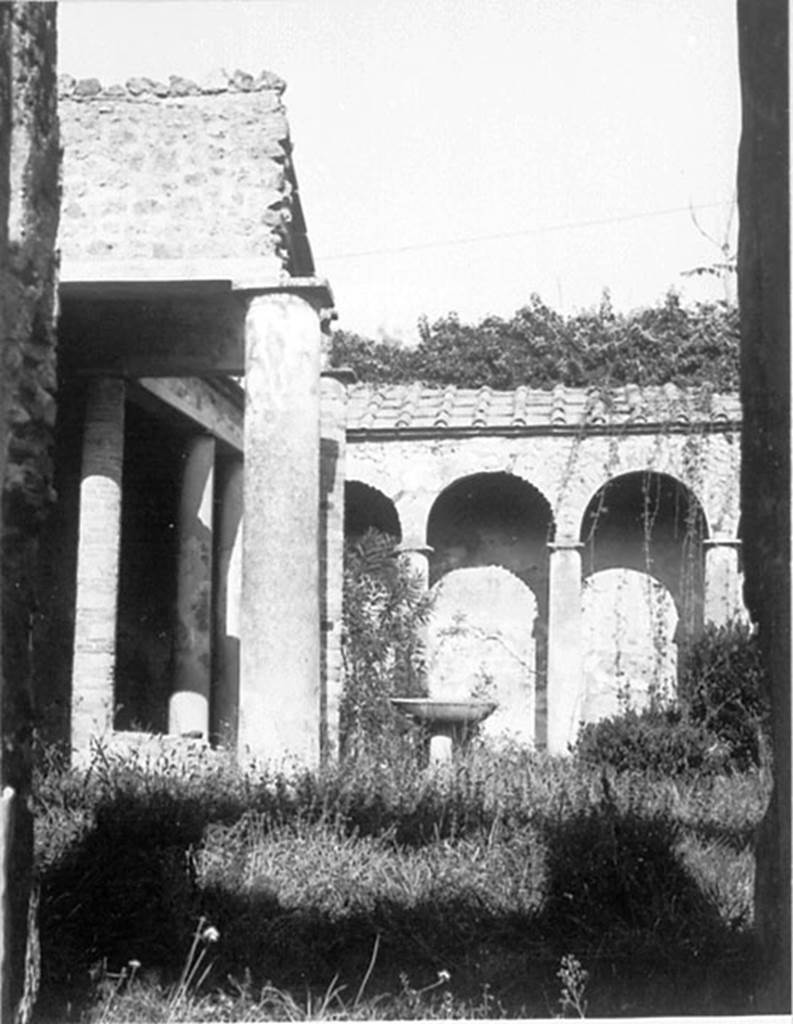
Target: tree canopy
{"type": "Point", "coordinates": [539, 347]}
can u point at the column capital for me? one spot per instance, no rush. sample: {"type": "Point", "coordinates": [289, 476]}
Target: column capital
{"type": "Point", "coordinates": [565, 544]}
{"type": "Point", "coordinates": [314, 290]}
{"type": "Point", "coordinates": [414, 549]}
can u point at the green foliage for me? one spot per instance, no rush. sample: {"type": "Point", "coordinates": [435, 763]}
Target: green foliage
{"type": "Point", "coordinates": [539, 347]}
{"type": "Point", "coordinates": [655, 741]}
{"type": "Point", "coordinates": [473, 882]}
{"type": "Point", "coordinates": [724, 687]}
{"type": "Point", "coordinates": [719, 721]}
{"type": "Point", "coordinates": [384, 609]}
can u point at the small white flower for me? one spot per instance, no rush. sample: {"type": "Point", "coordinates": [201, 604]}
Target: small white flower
{"type": "Point", "coordinates": [210, 934]}
{"type": "Point", "coordinates": [444, 976]}
{"type": "Point", "coordinates": [135, 965]}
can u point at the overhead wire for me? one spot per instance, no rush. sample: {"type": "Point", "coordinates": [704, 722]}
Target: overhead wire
{"type": "Point", "coordinates": [523, 232]}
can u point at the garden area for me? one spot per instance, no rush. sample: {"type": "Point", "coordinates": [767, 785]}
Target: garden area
{"type": "Point", "coordinates": [617, 881]}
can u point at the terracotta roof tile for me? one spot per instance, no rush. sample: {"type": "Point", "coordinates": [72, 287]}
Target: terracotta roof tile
{"type": "Point", "coordinates": [416, 407]}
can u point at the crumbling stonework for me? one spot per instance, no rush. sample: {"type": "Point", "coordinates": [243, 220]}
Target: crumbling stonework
{"type": "Point", "coordinates": [29, 204]}
{"type": "Point", "coordinates": [157, 171]}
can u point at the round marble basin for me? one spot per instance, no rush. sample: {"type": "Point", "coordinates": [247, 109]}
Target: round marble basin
{"type": "Point", "coordinates": [445, 712]}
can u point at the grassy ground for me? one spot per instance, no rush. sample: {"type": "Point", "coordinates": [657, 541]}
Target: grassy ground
{"type": "Point", "coordinates": [510, 885]}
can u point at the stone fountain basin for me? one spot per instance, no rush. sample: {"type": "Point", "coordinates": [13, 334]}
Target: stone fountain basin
{"type": "Point", "coordinates": [444, 712]}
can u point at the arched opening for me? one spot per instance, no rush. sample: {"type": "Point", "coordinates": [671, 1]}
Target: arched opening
{"type": "Point", "coordinates": [480, 646]}
{"type": "Point", "coordinates": [490, 522]}
{"type": "Point", "coordinates": [491, 519]}
{"type": "Point", "coordinates": [643, 593]}
{"type": "Point", "coordinates": [366, 508]}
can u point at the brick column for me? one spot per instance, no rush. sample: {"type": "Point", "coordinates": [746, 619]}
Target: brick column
{"type": "Point", "coordinates": [225, 705]}
{"type": "Point", "coordinates": [723, 600]}
{"type": "Point", "coordinates": [331, 567]}
{"type": "Point", "coordinates": [280, 621]}
{"type": "Point", "coordinates": [188, 707]}
{"type": "Point", "coordinates": [565, 649]}
{"type": "Point", "coordinates": [98, 552]}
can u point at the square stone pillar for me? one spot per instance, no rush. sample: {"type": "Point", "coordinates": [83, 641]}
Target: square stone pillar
{"type": "Point", "coordinates": [98, 553]}
{"type": "Point", "coordinates": [188, 707]}
{"type": "Point", "coordinates": [331, 473]}
{"type": "Point", "coordinates": [228, 598]}
{"type": "Point", "coordinates": [723, 585]}
{"type": "Point", "coordinates": [280, 621]}
{"type": "Point", "coordinates": [565, 646]}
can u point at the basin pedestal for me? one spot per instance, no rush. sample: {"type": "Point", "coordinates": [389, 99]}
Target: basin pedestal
{"type": "Point", "coordinates": [449, 723]}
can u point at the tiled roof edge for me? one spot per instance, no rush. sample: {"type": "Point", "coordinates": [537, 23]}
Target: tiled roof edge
{"type": "Point", "coordinates": [219, 81]}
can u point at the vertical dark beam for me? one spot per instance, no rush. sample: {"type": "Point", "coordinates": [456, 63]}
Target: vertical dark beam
{"type": "Point", "coordinates": [6, 799]}
{"type": "Point", "coordinates": [30, 171]}
{"type": "Point", "coordinates": [764, 298]}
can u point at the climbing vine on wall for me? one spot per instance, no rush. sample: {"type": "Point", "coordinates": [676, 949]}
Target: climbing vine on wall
{"type": "Point", "coordinates": [538, 347]}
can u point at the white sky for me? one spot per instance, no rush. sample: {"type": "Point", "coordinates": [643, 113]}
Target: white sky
{"type": "Point", "coordinates": [438, 121]}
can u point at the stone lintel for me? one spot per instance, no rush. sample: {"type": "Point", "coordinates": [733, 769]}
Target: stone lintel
{"type": "Point", "coordinates": [215, 412]}
{"type": "Point", "coordinates": [176, 329]}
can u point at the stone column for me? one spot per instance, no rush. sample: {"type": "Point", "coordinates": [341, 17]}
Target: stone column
{"type": "Point", "coordinates": [280, 622]}
{"type": "Point", "coordinates": [228, 598]}
{"type": "Point", "coordinates": [188, 707]}
{"type": "Point", "coordinates": [416, 558]}
{"type": "Point", "coordinates": [565, 648]}
{"type": "Point", "coordinates": [98, 553]}
{"type": "Point", "coordinates": [331, 562]}
{"type": "Point", "coordinates": [723, 585]}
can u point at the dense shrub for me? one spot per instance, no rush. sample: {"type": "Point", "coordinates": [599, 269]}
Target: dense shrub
{"type": "Point", "coordinates": [385, 607]}
{"type": "Point", "coordinates": [719, 721]}
{"type": "Point", "coordinates": [660, 741]}
{"type": "Point", "coordinates": [539, 347]}
{"type": "Point", "coordinates": [723, 687]}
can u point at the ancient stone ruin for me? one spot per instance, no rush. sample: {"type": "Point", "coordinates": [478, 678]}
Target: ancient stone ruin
{"type": "Point", "coordinates": [206, 456]}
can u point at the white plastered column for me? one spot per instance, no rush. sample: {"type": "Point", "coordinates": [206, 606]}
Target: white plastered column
{"type": "Point", "coordinates": [332, 477]}
{"type": "Point", "coordinates": [565, 646]}
{"type": "Point", "coordinates": [98, 558]}
{"type": "Point", "coordinates": [723, 584]}
{"type": "Point", "coordinates": [188, 706]}
{"type": "Point", "coordinates": [280, 618]}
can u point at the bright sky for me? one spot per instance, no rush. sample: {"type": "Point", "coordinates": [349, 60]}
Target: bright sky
{"type": "Point", "coordinates": [462, 154]}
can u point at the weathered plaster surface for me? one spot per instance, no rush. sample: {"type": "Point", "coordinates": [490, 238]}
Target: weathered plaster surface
{"type": "Point", "coordinates": [568, 471]}
{"type": "Point", "coordinates": [606, 618]}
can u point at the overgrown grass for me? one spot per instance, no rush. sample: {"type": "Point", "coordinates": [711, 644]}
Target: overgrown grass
{"type": "Point", "coordinates": [470, 886]}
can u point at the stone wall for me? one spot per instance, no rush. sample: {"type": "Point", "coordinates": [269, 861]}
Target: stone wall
{"type": "Point", "coordinates": [29, 203]}
{"type": "Point", "coordinates": [566, 470]}
{"type": "Point", "coordinates": [656, 581]}
{"type": "Point", "coordinates": [156, 171]}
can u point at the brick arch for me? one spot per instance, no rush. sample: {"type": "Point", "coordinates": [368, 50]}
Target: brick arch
{"type": "Point", "coordinates": [491, 518]}
{"type": "Point", "coordinates": [591, 478]}
{"type": "Point", "coordinates": [366, 507]}
{"type": "Point", "coordinates": [649, 522]}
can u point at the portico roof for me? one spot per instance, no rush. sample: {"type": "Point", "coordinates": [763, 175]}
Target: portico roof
{"type": "Point", "coordinates": [420, 409]}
